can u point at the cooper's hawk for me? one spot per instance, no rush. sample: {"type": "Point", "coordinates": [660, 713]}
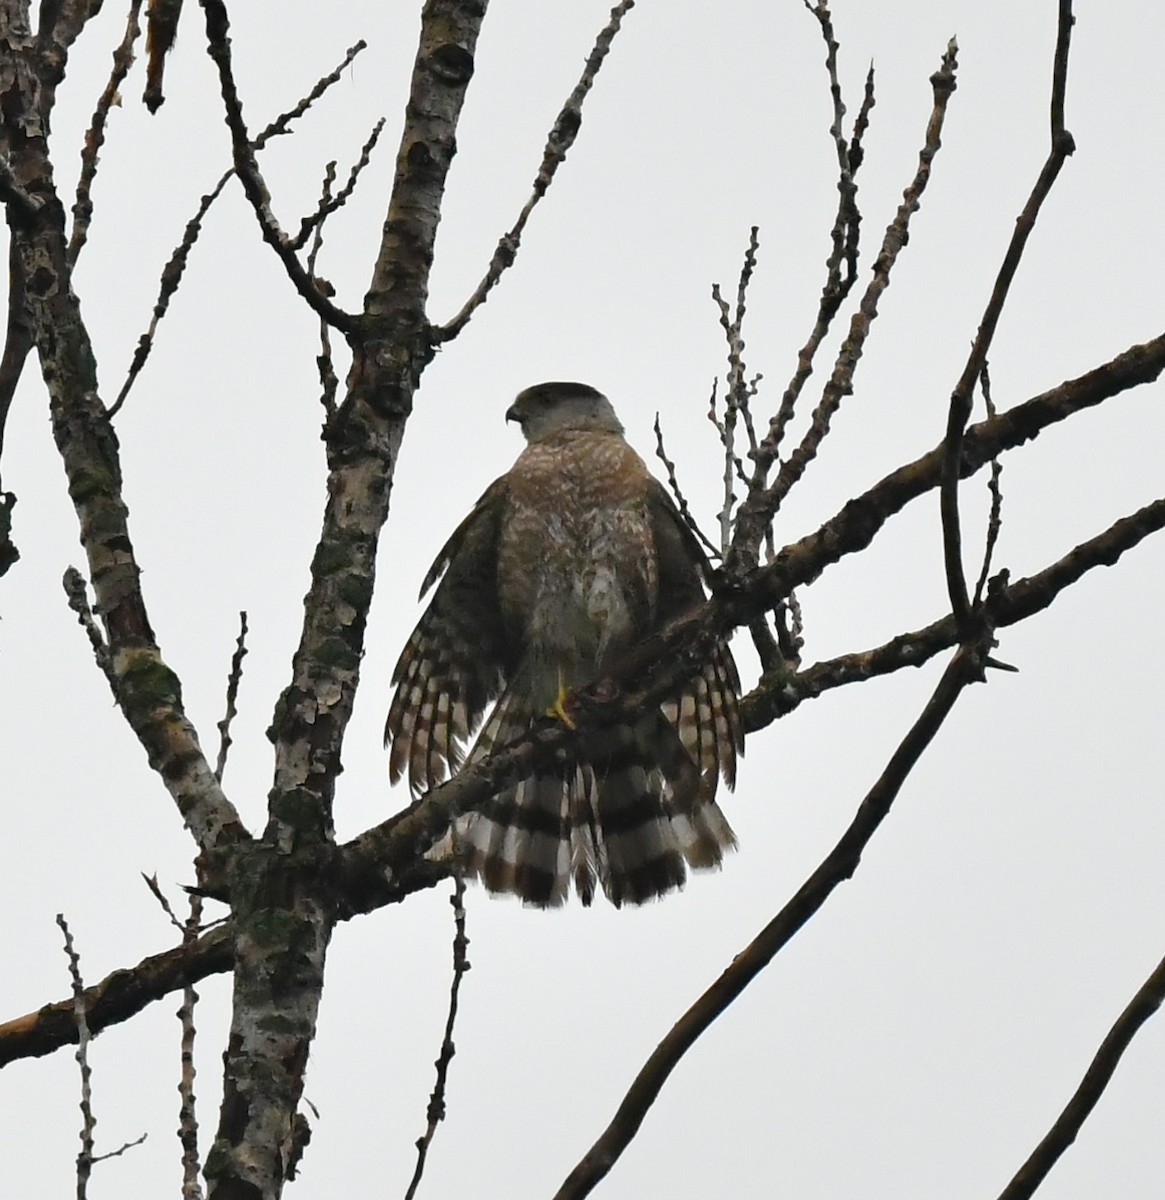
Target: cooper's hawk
{"type": "Point", "coordinates": [564, 564]}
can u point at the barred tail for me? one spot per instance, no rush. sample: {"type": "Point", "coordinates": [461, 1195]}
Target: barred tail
{"type": "Point", "coordinates": [632, 816]}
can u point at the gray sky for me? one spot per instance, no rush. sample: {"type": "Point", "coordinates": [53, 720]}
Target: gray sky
{"type": "Point", "coordinates": [918, 1037]}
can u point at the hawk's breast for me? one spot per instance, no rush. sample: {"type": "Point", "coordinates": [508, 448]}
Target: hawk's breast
{"type": "Point", "coordinates": [577, 577]}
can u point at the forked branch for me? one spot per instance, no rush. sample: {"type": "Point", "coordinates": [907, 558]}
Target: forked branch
{"type": "Point", "coordinates": [562, 136]}
{"type": "Point", "coordinates": [959, 412]}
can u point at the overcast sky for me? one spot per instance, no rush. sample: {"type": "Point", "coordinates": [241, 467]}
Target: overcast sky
{"type": "Point", "coordinates": [920, 1034]}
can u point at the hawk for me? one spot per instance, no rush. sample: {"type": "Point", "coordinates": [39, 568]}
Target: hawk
{"type": "Point", "coordinates": [573, 557]}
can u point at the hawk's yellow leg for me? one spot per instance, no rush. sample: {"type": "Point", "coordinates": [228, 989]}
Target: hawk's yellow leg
{"type": "Point", "coordinates": [558, 708]}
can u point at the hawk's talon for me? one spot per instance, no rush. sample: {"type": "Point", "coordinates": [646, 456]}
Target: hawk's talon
{"type": "Point", "coordinates": [558, 710]}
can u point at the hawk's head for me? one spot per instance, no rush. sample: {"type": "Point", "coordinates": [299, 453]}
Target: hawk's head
{"type": "Point", "coordinates": [548, 408]}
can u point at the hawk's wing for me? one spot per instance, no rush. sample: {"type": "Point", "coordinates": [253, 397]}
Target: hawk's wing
{"type": "Point", "coordinates": [457, 659]}
{"type": "Point", "coordinates": [705, 713]}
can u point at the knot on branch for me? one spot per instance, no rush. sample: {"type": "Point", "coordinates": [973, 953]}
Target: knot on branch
{"type": "Point", "coordinates": [452, 64]}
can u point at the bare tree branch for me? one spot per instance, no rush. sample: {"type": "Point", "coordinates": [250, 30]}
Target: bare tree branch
{"type": "Point", "coordinates": [995, 518]}
{"type": "Point", "coordinates": [278, 981]}
{"type": "Point", "coordinates": [123, 59]}
{"type": "Point", "coordinates": [233, 678]}
{"type": "Point", "coordinates": [678, 495]}
{"type": "Point", "coordinates": [148, 692]}
{"type": "Point", "coordinates": [85, 1156]}
{"type": "Point", "coordinates": [435, 1113]}
{"type": "Point", "coordinates": [844, 237]}
{"type": "Point", "coordinates": [840, 383]}
{"type": "Point", "coordinates": [174, 270]}
{"type": "Point", "coordinates": [966, 667]}
{"type": "Point", "coordinates": [561, 138]}
{"type": "Point", "coordinates": [187, 1116]}
{"type": "Point", "coordinates": [1100, 1071]}
{"type": "Point", "coordinates": [330, 203]}
{"type": "Point", "coordinates": [329, 381]}
{"type": "Point", "coordinates": [370, 863]}
{"type": "Point", "coordinates": [74, 584]}
{"type": "Point", "coordinates": [18, 342]}
{"type": "Point", "coordinates": [119, 996]}
{"type": "Point", "coordinates": [247, 169]}
{"type": "Point", "coordinates": [364, 884]}
{"type": "Point", "coordinates": [960, 406]}
{"type": "Point", "coordinates": [1006, 604]}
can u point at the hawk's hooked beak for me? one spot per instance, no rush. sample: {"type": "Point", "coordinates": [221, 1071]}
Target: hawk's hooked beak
{"type": "Point", "coordinates": [513, 413]}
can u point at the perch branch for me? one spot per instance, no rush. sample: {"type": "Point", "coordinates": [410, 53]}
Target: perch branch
{"type": "Point", "coordinates": [1006, 604]}
{"type": "Point", "coordinates": [383, 865]}
{"type": "Point", "coordinates": [365, 885]}
{"type": "Point", "coordinates": [369, 863]}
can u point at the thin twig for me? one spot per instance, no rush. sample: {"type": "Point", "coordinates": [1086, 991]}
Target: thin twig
{"type": "Point", "coordinates": [121, 1149]}
{"type": "Point", "coordinates": [844, 238]}
{"type": "Point", "coordinates": [995, 518]}
{"type": "Point", "coordinates": [176, 267]}
{"type": "Point", "coordinates": [561, 138]}
{"type": "Point", "coordinates": [171, 277]}
{"type": "Point", "coordinates": [966, 667]}
{"type": "Point", "coordinates": [282, 123]}
{"type": "Point", "coordinates": [1100, 1071]}
{"type": "Point", "coordinates": [247, 168]}
{"type": "Point", "coordinates": [738, 393]}
{"type": "Point", "coordinates": [118, 997]}
{"type": "Point", "coordinates": [236, 674]}
{"type": "Point", "coordinates": [840, 383]}
{"type": "Point", "coordinates": [330, 203]}
{"type": "Point", "coordinates": [75, 590]}
{"type": "Point", "coordinates": [151, 881]}
{"type": "Point", "coordinates": [85, 1157]}
{"type": "Point", "coordinates": [959, 412]}
{"type": "Point", "coordinates": [733, 468]}
{"type": "Point", "coordinates": [329, 381]}
{"type": "Point", "coordinates": [680, 499]}
{"type": "Point", "coordinates": [436, 1110]}
{"type": "Point", "coordinates": [187, 1114]}
{"type": "Point", "coordinates": [123, 59]}
{"type": "Point", "coordinates": [1006, 604]}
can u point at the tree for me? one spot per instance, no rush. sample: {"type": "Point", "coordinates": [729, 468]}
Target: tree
{"type": "Point", "coordinates": [237, 470]}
